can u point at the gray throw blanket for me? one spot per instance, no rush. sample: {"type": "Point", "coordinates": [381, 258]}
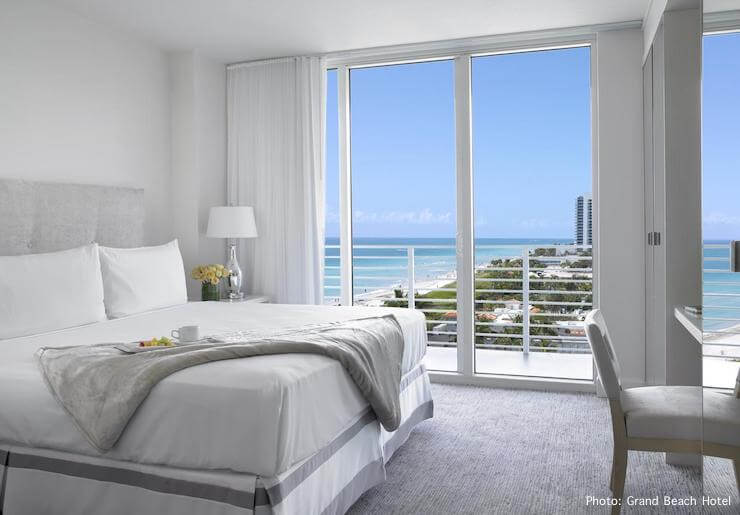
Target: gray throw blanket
{"type": "Point", "coordinates": [101, 387]}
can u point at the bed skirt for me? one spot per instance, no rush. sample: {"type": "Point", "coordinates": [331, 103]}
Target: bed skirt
{"type": "Point", "coordinates": [50, 482]}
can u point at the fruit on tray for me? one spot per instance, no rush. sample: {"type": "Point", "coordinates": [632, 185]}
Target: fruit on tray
{"type": "Point", "coordinates": [157, 342]}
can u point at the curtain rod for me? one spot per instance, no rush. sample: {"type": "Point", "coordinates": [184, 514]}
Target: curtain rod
{"type": "Point", "coordinates": [244, 64]}
{"type": "Point", "coordinates": [253, 62]}
{"type": "Point", "coordinates": [379, 51]}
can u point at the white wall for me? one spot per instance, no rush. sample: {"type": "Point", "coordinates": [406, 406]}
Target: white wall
{"type": "Point", "coordinates": [621, 261]}
{"type": "Point", "coordinates": [80, 102]}
{"type": "Point", "coordinates": [198, 156]}
{"type": "Point", "coordinates": [654, 14]}
{"type": "Point", "coordinates": [184, 152]}
{"type": "Point", "coordinates": [650, 23]}
{"type": "Point", "coordinates": [211, 159]}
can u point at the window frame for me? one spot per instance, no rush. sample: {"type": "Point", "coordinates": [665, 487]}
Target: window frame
{"type": "Point", "coordinates": [461, 53]}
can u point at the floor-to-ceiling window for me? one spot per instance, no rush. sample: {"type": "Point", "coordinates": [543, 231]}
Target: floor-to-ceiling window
{"type": "Point", "coordinates": [504, 289]}
{"type": "Point", "coordinates": [721, 209]}
{"type": "Point", "coordinates": [402, 121]}
{"type": "Point", "coordinates": [533, 208]}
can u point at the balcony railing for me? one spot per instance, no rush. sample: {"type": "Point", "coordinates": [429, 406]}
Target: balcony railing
{"type": "Point", "coordinates": [528, 298]}
{"type": "Point", "coordinates": [721, 305]}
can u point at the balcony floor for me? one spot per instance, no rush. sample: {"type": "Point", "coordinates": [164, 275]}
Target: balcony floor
{"type": "Point", "coordinates": [536, 364]}
{"type": "Point", "coordinates": [718, 373]}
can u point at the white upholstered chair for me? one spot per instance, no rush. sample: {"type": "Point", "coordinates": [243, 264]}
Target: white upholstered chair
{"type": "Point", "coordinates": [662, 418]}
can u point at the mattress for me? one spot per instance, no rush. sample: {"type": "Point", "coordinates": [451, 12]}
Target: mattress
{"type": "Point", "coordinates": [258, 415]}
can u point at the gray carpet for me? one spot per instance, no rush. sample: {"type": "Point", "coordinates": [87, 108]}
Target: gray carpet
{"type": "Point", "coordinates": [516, 451]}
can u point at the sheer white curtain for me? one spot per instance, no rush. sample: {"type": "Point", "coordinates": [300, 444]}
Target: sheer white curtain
{"type": "Point", "coordinates": [276, 164]}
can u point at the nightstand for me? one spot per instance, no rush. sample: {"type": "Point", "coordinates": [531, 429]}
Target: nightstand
{"type": "Point", "coordinates": [253, 299]}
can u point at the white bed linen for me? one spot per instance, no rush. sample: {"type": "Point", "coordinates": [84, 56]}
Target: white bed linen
{"type": "Point", "coordinates": [47, 292]}
{"type": "Point", "coordinates": [329, 481]}
{"type": "Point", "coordinates": [142, 279]}
{"type": "Point", "coordinates": [258, 415]}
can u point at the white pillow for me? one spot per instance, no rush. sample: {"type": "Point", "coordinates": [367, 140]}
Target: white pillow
{"type": "Point", "coordinates": [46, 292]}
{"type": "Point", "coordinates": [142, 279]}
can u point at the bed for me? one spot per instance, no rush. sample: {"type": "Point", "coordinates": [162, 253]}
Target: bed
{"type": "Point", "coordinates": [269, 434]}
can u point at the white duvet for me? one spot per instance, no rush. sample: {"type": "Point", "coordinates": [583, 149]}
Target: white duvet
{"type": "Point", "coordinates": [257, 415]}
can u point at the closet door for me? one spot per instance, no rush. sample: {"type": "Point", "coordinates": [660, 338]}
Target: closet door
{"type": "Point", "coordinates": [655, 272]}
{"type": "Point", "coordinates": [647, 107]}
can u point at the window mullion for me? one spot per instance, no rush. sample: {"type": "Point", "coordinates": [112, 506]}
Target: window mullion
{"type": "Point", "coordinates": [345, 188]}
{"type": "Point", "coordinates": [464, 239]}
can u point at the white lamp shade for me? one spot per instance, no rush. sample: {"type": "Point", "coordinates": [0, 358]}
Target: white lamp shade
{"type": "Point", "coordinates": [231, 222]}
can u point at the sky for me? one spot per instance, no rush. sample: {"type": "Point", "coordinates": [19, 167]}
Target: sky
{"type": "Point", "coordinates": [531, 145]}
{"type": "Point", "coordinates": [721, 137]}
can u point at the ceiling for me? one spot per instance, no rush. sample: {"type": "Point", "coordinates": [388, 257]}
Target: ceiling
{"type": "Point", "coordinates": [236, 30]}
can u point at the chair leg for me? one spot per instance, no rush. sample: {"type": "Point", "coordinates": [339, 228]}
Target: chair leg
{"type": "Point", "coordinates": [614, 464]}
{"type": "Point", "coordinates": [619, 473]}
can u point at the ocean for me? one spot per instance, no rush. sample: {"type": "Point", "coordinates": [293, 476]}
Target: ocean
{"type": "Point", "coordinates": [717, 279]}
{"type": "Point", "coordinates": [382, 263]}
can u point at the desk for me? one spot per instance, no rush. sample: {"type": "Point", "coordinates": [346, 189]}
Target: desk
{"type": "Point", "coordinates": [693, 323]}
{"type": "Point", "coordinates": [720, 346]}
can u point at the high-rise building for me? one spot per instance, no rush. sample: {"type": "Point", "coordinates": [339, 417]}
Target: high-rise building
{"type": "Point", "coordinates": [584, 220]}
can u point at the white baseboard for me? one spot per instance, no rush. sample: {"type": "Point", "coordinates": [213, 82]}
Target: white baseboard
{"type": "Point", "coordinates": [525, 383]}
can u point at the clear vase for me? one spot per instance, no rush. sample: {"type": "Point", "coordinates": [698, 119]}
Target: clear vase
{"type": "Point", "coordinates": [209, 291]}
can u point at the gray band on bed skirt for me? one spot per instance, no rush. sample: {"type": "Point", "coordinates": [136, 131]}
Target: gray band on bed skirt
{"type": "Point", "coordinates": [276, 493]}
{"type": "Point", "coordinates": [4, 455]}
{"type": "Point", "coordinates": [280, 491]}
{"type": "Point", "coordinates": [422, 412]}
{"type": "Point", "coordinates": [371, 475]}
{"type": "Point", "coordinates": [241, 499]}
{"type": "Point", "coordinates": [411, 376]}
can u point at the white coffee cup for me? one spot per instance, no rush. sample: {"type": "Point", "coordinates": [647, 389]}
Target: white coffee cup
{"type": "Point", "coordinates": [187, 333]}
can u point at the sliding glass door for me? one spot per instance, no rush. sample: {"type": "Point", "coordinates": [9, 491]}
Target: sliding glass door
{"type": "Point", "coordinates": [402, 121]}
{"type": "Point", "coordinates": [533, 212]}
{"type": "Point", "coordinates": [721, 211]}
{"type": "Point", "coordinates": [465, 184]}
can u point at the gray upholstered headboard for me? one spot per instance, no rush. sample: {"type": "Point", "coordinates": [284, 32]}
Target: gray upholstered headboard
{"type": "Point", "coordinates": [43, 217]}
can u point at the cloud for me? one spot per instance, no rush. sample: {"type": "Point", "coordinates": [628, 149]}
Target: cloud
{"type": "Point", "coordinates": [539, 223]}
{"type": "Point", "coordinates": [717, 218]}
{"type": "Point", "coordinates": [332, 216]}
{"type": "Point", "coordinates": [424, 217]}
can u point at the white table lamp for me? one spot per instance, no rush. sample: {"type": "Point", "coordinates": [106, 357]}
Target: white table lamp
{"type": "Point", "coordinates": [232, 222]}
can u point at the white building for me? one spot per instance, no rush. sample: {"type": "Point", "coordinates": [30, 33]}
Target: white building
{"type": "Point", "coordinates": [583, 220]}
